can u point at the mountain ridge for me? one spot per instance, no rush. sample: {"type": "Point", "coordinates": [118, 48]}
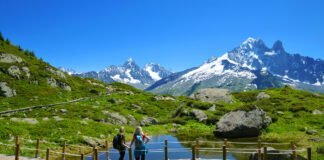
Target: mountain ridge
{"type": "Point", "coordinates": [237, 69]}
{"type": "Point", "coordinates": [129, 73]}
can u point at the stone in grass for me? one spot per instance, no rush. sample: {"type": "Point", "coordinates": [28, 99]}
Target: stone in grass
{"type": "Point", "coordinates": [6, 91]}
{"type": "Point", "coordinates": [148, 121]}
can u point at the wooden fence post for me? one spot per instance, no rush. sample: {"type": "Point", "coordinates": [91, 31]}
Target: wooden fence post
{"type": "Point", "coordinates": [294, 155]}
{"type": "Point", "coordinates": [17, 140]}
{"type": "Point", "coordinates": [309, 153]}
{"type": "Point", "coordinates": [166, 157]}
{"type": "Point", "coordinates": [96, 154]}
{"type": "Point", "coordinates": [130, 154]}
{"type": "Point", "coordinates": [265, 152]}
{"type": "Point", "coordinates": [259, 149]}
{"type": "Point", "coordinates": [47, 154]}
{"type": "Point", "coordinates": [193, 152]}
{"type": "Point", "coordinates": [107, 150]}
{"type": "Point", "coordinates": [93, 153]}
{"type": "Point", "coordinates": [17, 151]}
{"type": "Point", "coordinates": [37, 148]}
{"type": "Point", "coordinates": [224, 152]}
{"type": "Point", "coordinates": [225, 142]}
{"type": "Point", "coordinates": [197, 147]}
{"type": "Point", "coordinates": [82, 156]}
{"type": "Point", "coordinates": [63, 151]}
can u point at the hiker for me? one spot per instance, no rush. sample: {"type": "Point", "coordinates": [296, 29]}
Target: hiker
{"type": "Point", "coordinates": [140, 140]}
{"type": "Point", "coordinates": [119, 143]}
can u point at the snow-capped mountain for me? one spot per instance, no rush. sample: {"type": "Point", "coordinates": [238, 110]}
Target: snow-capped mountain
{"type": "Point", "coordinates": [252, 65]}
{"type": "Point", "coordinates": [68, 70]}
{"type": "Point", "coordinates": [130, 73]}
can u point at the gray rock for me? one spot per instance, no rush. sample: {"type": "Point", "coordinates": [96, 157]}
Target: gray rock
{"type": "Point", "coordinates": [64, 86]}
{"type": "Point", "coordinates": [213, 108]}
{"type": "Point", "coordinates": [262, 95]}
{"type": "Point", "coordinates": [116, 118]}
{"type": "Point", "coordinates": [164, 98]}
{"type": "Point", "coordinates": [56, 72]}
{"type": "Point", "coordinates": [57, 118]}
{"type": "Point", "coordinates": [199, 115]}
{"type": "Point", "coordinates": [25, 120]}
{"type": "Point", "coordinates": [238, 124]}
{"type": "Point", "coordinates": [317, 112]}
{"type": "Point", "coordinates": [93, 142]}
{"type": "Point", "coordinates": [52, 82]}
{"type": "Point", "coordinates": [136, 106]}
{"type": "Point", "coordinates": [9, 58]}
{"type": "Point", "coordinates": [14, 71]}
{"type": "Point", "coordinates": [6, 91]}
{"type": "Point", "coordinates": [213, 95]}
{"type": "Point", "coordinates": [148, 121]}
{"type": "Point", "coordinates": [312, 132]}
{"type": "Point", "coordinates": [63, 110]}
{"type": "Point", "coordinates": [26, 71]}
{"type": "Point", "coordinates": [131, 120]}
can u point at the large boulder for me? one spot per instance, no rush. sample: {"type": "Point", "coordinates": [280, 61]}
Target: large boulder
{"type": "Point", "coordinates": [54, 83]}
{"type": "Point", "coordinates": [9, 58]}
{"type": "Point", "coordinates": [213, 95]}
{"type": "Point", "coordinates": [238, 124]}
{"type": "Point", "coordinates": [148, 121]}
{"type": "Point", "coordinates": [6, 91]}
{"type": "Point", "coordinates": [116, 118]}
{"type": "Point", "coordinates": [14, 71]}
{"type": "Point", "coordinates": [199, 115]}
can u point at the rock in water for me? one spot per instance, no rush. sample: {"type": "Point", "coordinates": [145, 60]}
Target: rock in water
{"type": "Point", "coordinates": [238, 124]}
{"type": "Point", "coordinates": [6, 91]}
{"type": "Point", "coordinates": [213, 95]}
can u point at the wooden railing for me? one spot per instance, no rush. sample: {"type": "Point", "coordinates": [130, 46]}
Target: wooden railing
{"type": "Point", "coordinates": [195, 149]}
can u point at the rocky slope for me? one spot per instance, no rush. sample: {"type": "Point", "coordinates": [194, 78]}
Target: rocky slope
{"type": "Point", "coordinates": [26, 80]}
{"type": "Point", "coordinates": [252, 65]}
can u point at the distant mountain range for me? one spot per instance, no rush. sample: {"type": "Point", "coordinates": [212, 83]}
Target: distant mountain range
{"type": "Point", "coordinates": [252, 65]}
{"type": "Point", "coordinates": [129, 73]}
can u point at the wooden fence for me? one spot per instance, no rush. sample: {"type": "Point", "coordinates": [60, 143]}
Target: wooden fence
{"type": "Point", "coordinates": [195, 149]}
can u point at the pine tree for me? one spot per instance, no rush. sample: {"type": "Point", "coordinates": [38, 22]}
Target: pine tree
{"type": "Point", "coordinates": [1, 37]}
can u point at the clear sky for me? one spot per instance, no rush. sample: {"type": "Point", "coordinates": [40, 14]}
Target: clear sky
{"type": "Point", "coordinates": [178, 34]}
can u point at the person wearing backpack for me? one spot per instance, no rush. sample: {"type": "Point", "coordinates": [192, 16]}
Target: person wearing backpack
{"type": "Point", "coordinates": [119, 143]}
{"type": "Point", "coordinates": [140, 140]}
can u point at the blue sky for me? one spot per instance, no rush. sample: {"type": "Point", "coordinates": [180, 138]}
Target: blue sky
{"type": "Point", "coordinates": [178, 34]}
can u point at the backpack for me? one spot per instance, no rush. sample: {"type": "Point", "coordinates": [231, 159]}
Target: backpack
{"type": "Point", "coordinates": [139, 142]}
{"type": "Point", "coordinates": [116, 142]}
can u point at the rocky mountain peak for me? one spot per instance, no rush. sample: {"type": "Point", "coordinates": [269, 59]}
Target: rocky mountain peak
{"type": "Point", "coordinates": [278, 47]}
{"type": "Point", "coordinates": [250, 43]}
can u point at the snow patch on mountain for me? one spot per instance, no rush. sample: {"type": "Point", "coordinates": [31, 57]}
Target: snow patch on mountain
{"type": "Point", "coordinates": [215, 68]}
{"type": "Point", "coordinates": [271, 53]}
{"type": "Point", "coordinates": [154, 75]}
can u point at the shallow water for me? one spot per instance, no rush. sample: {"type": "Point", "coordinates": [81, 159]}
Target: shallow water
{"type": "Point", "coordinates": [176, 150]}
